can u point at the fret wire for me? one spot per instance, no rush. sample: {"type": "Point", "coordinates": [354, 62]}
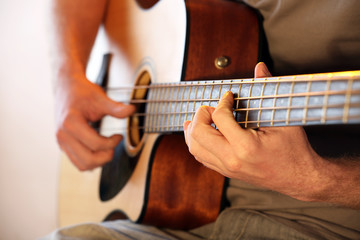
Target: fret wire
{"type": "Point", "coordinates": [299, 107]}
{"type": "Point", "coordinates": [248, 104]}
{"type": "Point", "coordinates": [299, 78]}
{"type": "Point", "coordinates": [298, 120]}
{"type": "Point", "coordinates": [347, 101]}
{"type": "Point", "coordinates": [290, 101]}
{"type": "Point", "coordinates": [230, 91]}
{"type": "Point", "coordinates": [325, 103]}
{"type": "Point", "coordinates": [201, 102]}
{"type": "Point", "coordinates": [159, 117]}
{"type": "Point", "coordinates": [348, 93]}
{"type": "Point", "coordinates": [148, 107]}
{"type": "Point", "coordinates": [237, 100]}
{"type": "Point", "coordinates": [307, 97]}
{"type": "Point", "coordinates": [230, 86]}
{"type": "Point", "coordinates": [152, 106]}
{"type": "Point", "coordinates": [314, 119]}
{"type": "Point", "coordinates": [356, 105]}
{"type": "Point", "coordinates": [274, 104]}
{"type": "Point", "coordinates": [152, 110]}
{"type": "Point", "coordinates": [261, 102]}
{"type": "Point", "coordinates": [169, 110]}
{"type": "Point", "coordinates": [181, 104]}
{"type": "Point", "coordinates": [165, 107]}
{"type": "Point", "coordinates": [150, 120]}
{"type": "Point", "coordinates": [174, 114]}
{"type": "Point", "coordinates": [193, 109]}
{"type": "Point", "coordinates": [157, 108]}
{"type": "Point", "coordinates": [311, 94]}
{"type": "Point", "coordinates": [220, 88]}
{"type": "Point", "coordinates": [166, 104]}
{"type": "Point", "coordinates": [202, 95]}
{"type": "Point", "coordinates": [187, 103]}
{"type": "Point", "coordinates": [211, 91]}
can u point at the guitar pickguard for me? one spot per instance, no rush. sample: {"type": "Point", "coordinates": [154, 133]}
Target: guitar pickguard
{"type": "Point", "coordinates": [116, 174]}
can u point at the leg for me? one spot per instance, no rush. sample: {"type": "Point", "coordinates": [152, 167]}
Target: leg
{"type": "Point", "coordinates": [120, 229]}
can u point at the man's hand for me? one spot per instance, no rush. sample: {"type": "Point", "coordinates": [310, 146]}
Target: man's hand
{"type": "Point", "coordinates": [78, 104]}
{"type": "Point", "coordinates": [78, 101]}
{"type": "Point", "coordinates": [278, 158]}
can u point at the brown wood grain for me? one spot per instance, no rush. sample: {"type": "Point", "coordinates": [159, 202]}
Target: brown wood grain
{"type": "Point", "coordinates": [220, 28]}
{"type": "Point", "coordinates": [183, 194]}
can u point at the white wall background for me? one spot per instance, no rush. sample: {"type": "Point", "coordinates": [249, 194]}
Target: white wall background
{"type": "Point", "coordinates": [29, 155]}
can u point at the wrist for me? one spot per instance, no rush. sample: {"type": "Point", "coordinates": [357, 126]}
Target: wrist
{"type": "Point", "coordinates": [68, 72]}
{"type": "Point", "coordinates": [336, 182]}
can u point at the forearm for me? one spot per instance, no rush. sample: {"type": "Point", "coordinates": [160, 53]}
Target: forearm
{"type": "Point", "coordinates": [74, 29]}
{"type": "Point", "coordinates": [339, 182]}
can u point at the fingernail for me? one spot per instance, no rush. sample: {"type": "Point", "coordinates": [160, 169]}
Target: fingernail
{"type": "Point", "coordinates": [186, 125]}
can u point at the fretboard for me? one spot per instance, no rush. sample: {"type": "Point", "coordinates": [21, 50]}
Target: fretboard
{"type": "Point", "coordinates": [332, 98]}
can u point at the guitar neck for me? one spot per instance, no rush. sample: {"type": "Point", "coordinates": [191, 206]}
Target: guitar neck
{"type": "Point", "coordinates": [332, 98]}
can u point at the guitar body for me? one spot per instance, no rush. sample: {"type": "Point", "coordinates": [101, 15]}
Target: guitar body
{"type": "Point", "coordinates": [162, 41]}
{"type": "Point", "coordinates": [182, 193]}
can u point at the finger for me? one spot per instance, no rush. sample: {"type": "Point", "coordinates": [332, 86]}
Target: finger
{"type": "Point", "coordinates": [210, 159]}
{"type": "Point", "coordinates": [224, 120]}
{"type": "Point", "coordinates": [201, 124]}
{"type": "Point", "coordinates": [204, 139]}
{"type": "Point", "coordinates": [72, 158]}
{"type": "Point", "coordinates": [79, 128]}
{"type": "Point", "coordinates": [210, 163]}
{"type": "Point", "coordinates": [261, 70]}
{"type": "Point", "coordinates": [223, 115]}
{"type": "Point", "coordinates": [80, 155]}
{"type": "Point", "coordinates": [115, 109]}
{"type": "Point", "coordinates": [202, 154]}
{"type": "Point", "coordinates": [186, 126]}
{"type": "Point", "coordinates": [201, 129]}
{"type": "Point", "coordinates": [203, 115]}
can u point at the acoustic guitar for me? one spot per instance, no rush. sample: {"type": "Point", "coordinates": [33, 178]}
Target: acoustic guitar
{"type": "Point", "coordinates": [188, 54]}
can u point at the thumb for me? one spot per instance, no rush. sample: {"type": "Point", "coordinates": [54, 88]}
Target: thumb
{"type": "Point", "coordinates": [261, 70]}
{"type": "Point", "coordinates": [116, 109]}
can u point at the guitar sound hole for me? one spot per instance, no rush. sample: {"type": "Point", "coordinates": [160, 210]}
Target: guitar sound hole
{"type": "Point", "coordinates": [146, 4]}
{"type": "Point", "coordinates": [137, 121]}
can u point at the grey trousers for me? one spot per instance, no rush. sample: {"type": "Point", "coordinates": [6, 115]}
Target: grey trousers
{"type": "Point", "coordinates": [231, 224]}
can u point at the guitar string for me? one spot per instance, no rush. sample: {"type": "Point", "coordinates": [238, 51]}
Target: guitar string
{"type": "Point", "coordinates": [259, 121]}
{"type": "Point", "coordinates": [251, 82]}
{"type": "Point", "coordinates": [291, 95]}
{"type": "Point", "coordinates": [256, 124]}
{"type": "Point", "coordinates": [295, 107]}
{"type": "Point", "coordinates": [287, 79]}
{"type": "Point", "coordinates": [351, 105]}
